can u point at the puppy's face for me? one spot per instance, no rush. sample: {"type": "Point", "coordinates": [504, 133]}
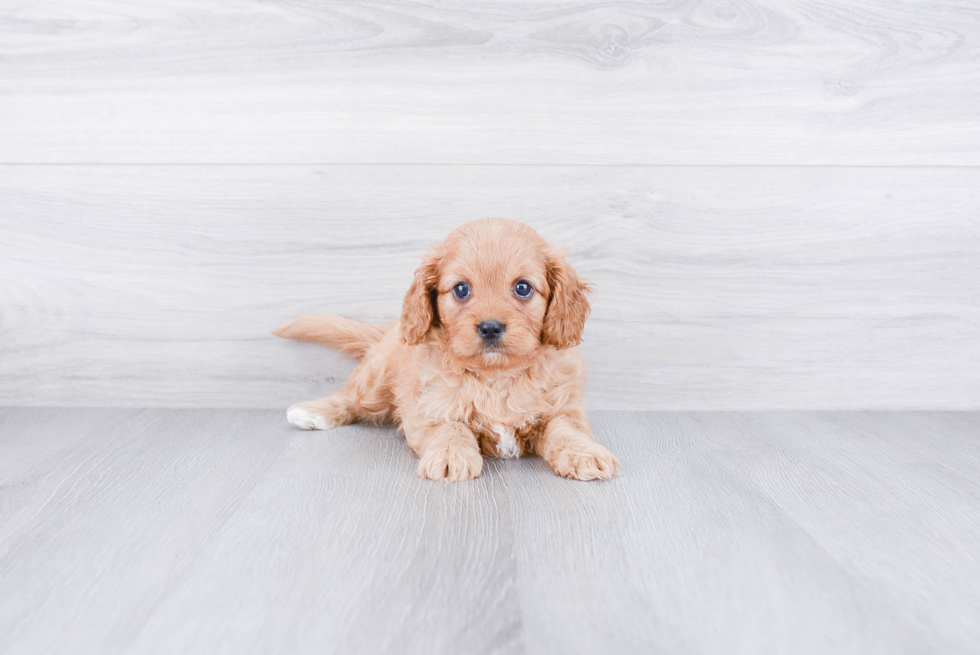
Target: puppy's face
{"type": "Point", "coordinates": [497, 293]}
{"type": "Point", "coordinates": [492, 296]}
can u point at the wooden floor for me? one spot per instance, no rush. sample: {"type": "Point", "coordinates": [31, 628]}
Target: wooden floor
{"type": "Point", "coordinates": [227, 531]}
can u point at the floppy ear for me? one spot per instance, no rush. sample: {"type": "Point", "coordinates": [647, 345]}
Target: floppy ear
{"type": "Point", "coordinates": [419, 313]}
{"type": "Point", "coordinates": [568, 306]}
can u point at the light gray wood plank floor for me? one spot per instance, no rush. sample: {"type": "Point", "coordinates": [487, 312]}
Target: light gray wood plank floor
{"type": "Point", "coordinates": [227, 531]}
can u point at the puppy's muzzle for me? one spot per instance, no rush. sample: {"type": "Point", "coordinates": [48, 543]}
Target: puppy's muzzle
{"type": "Point", "coordinates": [490, 331]}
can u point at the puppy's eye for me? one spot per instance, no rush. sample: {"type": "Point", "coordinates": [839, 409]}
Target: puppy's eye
{"type": "Point", "coordinates": [523, 289]}
{"type": "Point", "coordinates": [461, 291]}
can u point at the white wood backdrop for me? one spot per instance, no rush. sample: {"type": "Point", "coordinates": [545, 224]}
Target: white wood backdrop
{"type": "Point", "coordinates": [778, 201]}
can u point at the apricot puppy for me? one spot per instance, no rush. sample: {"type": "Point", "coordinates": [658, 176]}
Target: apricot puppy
{"type": "Point", "coordinates": [482, 363]}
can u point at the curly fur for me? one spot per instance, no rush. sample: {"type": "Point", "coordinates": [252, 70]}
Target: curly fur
{"type": "Point", "coordinates": [454, 396]}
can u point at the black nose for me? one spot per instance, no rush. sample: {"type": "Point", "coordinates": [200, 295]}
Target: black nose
{"type": "Point", "coordinates": [490, 330]}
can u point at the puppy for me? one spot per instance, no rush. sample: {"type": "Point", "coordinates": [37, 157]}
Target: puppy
{"type": "Point", "coordinates": [482, 363]}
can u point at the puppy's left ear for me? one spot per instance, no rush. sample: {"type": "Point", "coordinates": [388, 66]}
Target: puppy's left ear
{"type": "Point", "coordinates": [568, 306]}
{"type": "Point", "coordinates": [419, 312]}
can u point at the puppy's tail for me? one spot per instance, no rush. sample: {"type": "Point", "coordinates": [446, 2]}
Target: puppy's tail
{"type": "Point", "coordinates": [349, 337]}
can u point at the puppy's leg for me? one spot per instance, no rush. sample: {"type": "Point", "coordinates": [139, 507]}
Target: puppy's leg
{"type": "Point", "coordinates": [366, 395]}
{"type": "Point", "coordinates": [323, 414]}
{"type": "Point", "coordinates": [448, 451]}
{"type": "Point", "coordinates": [568, 446]}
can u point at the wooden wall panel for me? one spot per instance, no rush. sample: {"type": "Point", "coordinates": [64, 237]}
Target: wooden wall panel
{"type": "Point", "coordinates": [718, 287]}
{"type": "Point", "coordinates": [843, 82]}
{"type": "Point", "coordinates": [777, 199]}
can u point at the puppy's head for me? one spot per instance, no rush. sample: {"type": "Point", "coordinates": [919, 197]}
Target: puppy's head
{"type": "Point", "coordinates": [494, 293]}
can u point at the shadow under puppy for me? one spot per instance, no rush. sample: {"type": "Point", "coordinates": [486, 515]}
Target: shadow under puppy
{"type": "Point", "coordinates": [482, 362]}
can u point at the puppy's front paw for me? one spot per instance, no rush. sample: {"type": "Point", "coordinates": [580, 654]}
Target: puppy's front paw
{"type": "Point", "coordinates": [452, 463]}
{"type": "Point", "coordinates": [586, 460]}
{"type": "Point", "coordinates": [307, 420]}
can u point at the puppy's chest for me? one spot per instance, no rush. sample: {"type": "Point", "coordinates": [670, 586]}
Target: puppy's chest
{"type": "Point", "coordinates": [504, 415]}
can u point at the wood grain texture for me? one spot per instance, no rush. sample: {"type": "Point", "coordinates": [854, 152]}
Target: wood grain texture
{"type": "Point", "coordinates": [161, 532]}
{"type": "Point", "coordinates": [685, 554]}
{"type": "Point", "coordinates": [226, 531]}
{"type": "Point", "coordinates": [680, 82]}
{"type": "Point", "coordinates": [106, 511]}
{"type": "Point", "coordinates": [907, 498]}
{"type": "Point", "coordinates": [730, 287]}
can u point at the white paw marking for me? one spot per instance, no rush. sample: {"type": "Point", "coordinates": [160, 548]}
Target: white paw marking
{"type": "Point", "coordinates": [306, 420]}
{"type": "Point", "coordinates": [506, 442]}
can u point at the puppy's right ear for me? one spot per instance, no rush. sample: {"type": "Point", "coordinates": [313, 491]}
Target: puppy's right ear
{"type": "Point", "coordinates": [419, 313]}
